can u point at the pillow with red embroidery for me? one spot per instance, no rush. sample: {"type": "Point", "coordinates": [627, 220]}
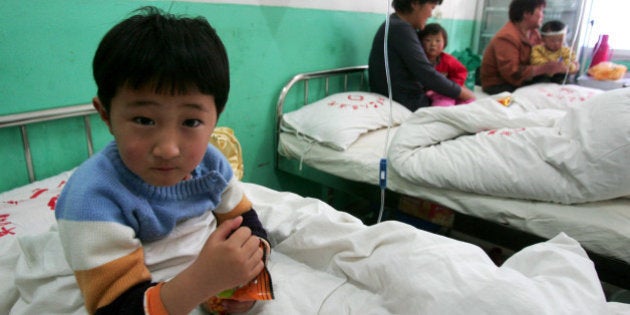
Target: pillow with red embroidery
{"type": "Point", "coordinates": [338, 120]}
{"type": "Point", "coordinates": [29, 209]}
{"type": "Point", "coordinates": [552, 95]}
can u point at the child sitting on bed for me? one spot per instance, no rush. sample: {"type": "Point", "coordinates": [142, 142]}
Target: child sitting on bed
{"type": "Point", "coordinates": [434, 39]}
{"type": "Point", "coordinates": [553, 49]}
{"type": "Point", "coordinates": [156, 222]}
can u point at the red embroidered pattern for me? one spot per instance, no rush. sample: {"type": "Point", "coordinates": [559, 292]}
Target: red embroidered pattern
{"type": "Point", "coordinates": [566, 93]}
{"type": "Point", "coordinates": [357, 102]}
{"type": "Point", "coordinates": [505, 132]}
{"type": "Point", "coordinates": [6, 227]}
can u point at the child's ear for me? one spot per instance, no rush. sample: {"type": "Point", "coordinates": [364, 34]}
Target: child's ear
{"type": "Point", "coordinates": [102, 112]}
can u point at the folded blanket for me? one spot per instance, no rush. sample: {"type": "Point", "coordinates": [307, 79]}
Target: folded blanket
{"type": "Point", "coordinates": [572, 152]}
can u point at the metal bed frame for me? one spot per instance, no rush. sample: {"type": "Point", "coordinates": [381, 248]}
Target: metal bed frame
{"type": "Point", "coordinates": [22, 120]}
{"type": "Point", "coordinates": [326, 75]}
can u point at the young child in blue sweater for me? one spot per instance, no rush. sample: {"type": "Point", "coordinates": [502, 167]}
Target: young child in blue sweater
{"type": "Point", "coordinates": [156, 222]}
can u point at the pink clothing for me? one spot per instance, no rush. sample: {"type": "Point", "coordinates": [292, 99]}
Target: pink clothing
{"type": "Point", "coordinates": [438, 99]}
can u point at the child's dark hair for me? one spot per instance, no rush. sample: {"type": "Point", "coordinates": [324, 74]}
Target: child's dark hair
{"type": "Point", "coordinates": [163, 51]}
{"type": "Point", "coordinates": [552, 26]}
{"type": "Point", "coordinates": [433, 29]}
{"type": "Point", "coordinates": [404, 6]}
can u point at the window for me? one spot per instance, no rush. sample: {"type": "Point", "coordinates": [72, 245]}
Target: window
{"type": "Point", "coordinates": [608, 17]}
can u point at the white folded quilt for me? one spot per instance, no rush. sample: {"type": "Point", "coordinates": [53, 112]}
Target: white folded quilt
{"type": "Point", "coordinates": [564, 144]}
{"type": "Point", "coordinates": [394, 268]}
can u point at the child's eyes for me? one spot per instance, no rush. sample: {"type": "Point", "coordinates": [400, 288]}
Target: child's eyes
{"type": "Point", "coordinates": [150, 122]}
{"type": "Point", "coordinates": [144, 121]}
{"type": "Point", "coordinates": [192, 122]}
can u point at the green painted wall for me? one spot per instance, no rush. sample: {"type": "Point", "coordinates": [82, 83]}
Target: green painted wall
{"type": "Point", "coordinates": [46, 48]}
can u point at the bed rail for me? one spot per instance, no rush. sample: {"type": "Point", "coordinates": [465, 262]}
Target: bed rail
{"type": "Point", "coordinates": [326, 75]}
{"type": "Point", "coordinates": [347, 73]}
{"type": "Point", "coordinates": [22, 120]}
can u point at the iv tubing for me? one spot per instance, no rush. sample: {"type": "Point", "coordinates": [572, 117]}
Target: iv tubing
{"type": "Point", "coordinates": [383, 163]}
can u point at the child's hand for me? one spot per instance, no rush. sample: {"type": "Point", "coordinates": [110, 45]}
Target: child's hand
{"type": "Point", "coordinates": [466, 94]}
{"type": "Point", "coordinates": [553, 67]}
{"type": "Point", "coordinates": [230, 257]}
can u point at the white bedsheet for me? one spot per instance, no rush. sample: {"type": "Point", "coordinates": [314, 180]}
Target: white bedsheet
{"type": "Point", "coordinates": [602, 227]}
{"type": "Point", "coordinates": [327, 262]}
{"type": "Point", "coordinates": [575, 153]}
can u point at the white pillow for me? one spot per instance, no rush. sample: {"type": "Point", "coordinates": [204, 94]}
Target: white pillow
{"type": "Point", "coordinates": [338, 120]}
{"type": "Point", "coordinates": [29, 209]}
{"type": "Point", "coordinates": [552, 95]}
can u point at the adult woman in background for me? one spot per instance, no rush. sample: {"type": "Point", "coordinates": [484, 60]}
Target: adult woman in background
{"type": "Point", "coordinates": [505, 65]}
{"type": "Point", "coordinates": [411, 73]}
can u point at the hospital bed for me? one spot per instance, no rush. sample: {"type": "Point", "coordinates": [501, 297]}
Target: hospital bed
{"type": "Point", "coordinates": [502, 214]}
{"type": "Point", "coordinates": [323, 261]}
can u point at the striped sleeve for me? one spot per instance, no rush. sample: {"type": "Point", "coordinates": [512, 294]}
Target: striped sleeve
{"type": "Point", "coordinates": [153, 303]}
{"type": "Point", "coordinates": [233, 199]}
{"type": "Point", "coordinates": [106, 258]}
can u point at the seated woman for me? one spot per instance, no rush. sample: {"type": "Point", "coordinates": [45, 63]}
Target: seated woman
{"type": "Point", "coordinates": [411, 73]}
{"type": "Point", "coordinates": [505, 64]}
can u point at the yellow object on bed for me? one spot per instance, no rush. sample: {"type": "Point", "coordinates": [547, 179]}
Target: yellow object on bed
{"type": "Point", "coordinates": [223, 138]}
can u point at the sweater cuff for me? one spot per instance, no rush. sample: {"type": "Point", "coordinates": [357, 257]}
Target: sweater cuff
{"type": "Point", "coordinates": [251, 220]}
{"type": "Point", "coordinates": [153, 302]}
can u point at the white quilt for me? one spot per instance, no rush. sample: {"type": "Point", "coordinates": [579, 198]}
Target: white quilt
{"type": "Point", "coordinates": [327, 262]}
{"type": "Point", "coordinates": [564, 144]}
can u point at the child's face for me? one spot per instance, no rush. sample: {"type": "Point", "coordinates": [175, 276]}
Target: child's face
{"type": "Point", "coordinates": [433, 45]}
{"type": "Point", "coordinates": [553, 42]}
{"type": "Point", "coordinates": [161, 137]}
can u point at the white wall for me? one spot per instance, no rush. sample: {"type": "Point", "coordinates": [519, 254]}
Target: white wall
{"type": "Point", "coordinates": [450, 9]}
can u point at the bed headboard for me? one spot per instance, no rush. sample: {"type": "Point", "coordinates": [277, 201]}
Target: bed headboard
{"type": "Point", "coordinates": [316, 85]}
{"type": "Point", "coordinates": [22, 123]}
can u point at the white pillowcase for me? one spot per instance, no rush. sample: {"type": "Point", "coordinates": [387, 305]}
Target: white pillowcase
{"type": "Point", "coordinates": [552, 95]}
{"type": "Point", "coordinates": [29, 209]}
{"type": "Point", "coordinates": [338, 120]}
